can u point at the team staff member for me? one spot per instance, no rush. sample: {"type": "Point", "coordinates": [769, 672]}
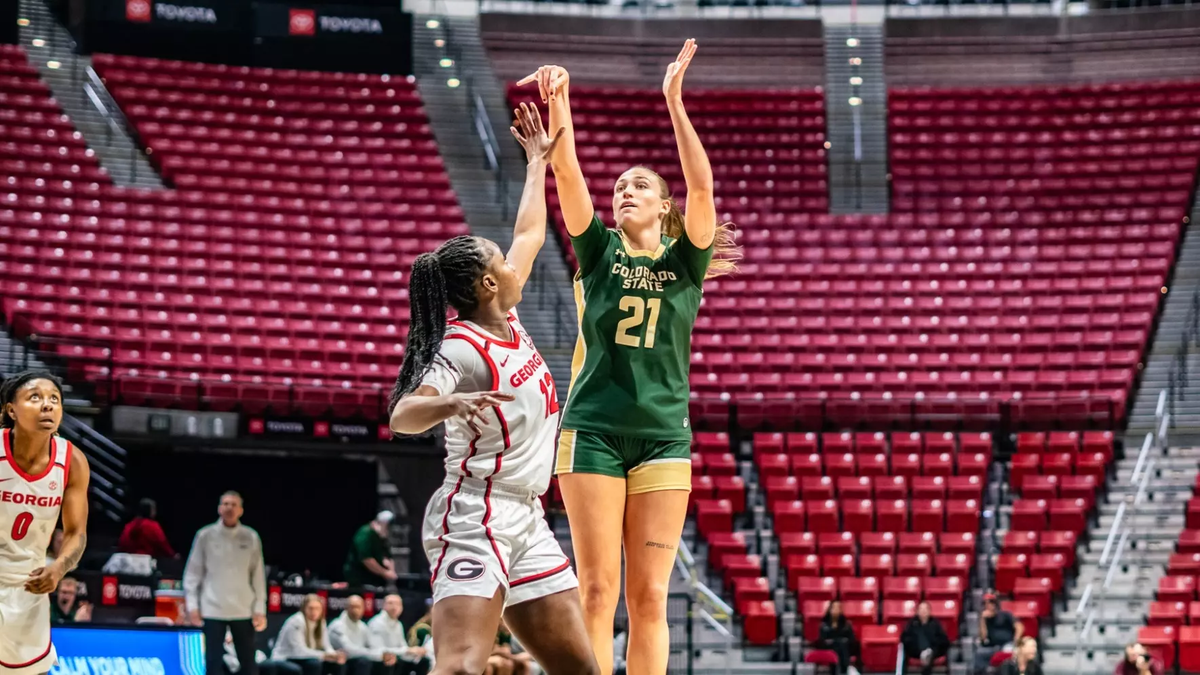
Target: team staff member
{"type": "Point", "coordinates": [225, 586]}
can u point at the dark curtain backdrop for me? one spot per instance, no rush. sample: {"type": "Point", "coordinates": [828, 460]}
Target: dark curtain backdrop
{"type": "Point", "coordinates": [305, 509]}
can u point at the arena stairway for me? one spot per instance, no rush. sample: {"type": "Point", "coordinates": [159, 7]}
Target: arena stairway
{"type": "Point", "coordinates": [1121, 609]}
{"type": "Point", "coordinates": [1183, 290]}
{"type": "Point", "coordinates": [463, 136]}
{"type": "Point", "coordinates": [84, 97]}
{"type": "Point", "coordinates": [864, 190]}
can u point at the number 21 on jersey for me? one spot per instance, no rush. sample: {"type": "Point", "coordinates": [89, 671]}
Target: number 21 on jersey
{"type": "Point", "coordinates": [638, 316]}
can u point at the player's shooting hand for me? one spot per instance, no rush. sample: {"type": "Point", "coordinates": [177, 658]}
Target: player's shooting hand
{"type": "Point", "coordinates": [529, 132]}
{"type": "Point", "coordinates": [551, 81]}
{"type": "Point", "coordinates": [44, 580]}
{"type": "Point", "coordinates": [471, 406]}
{"type": "Point", "coordinates": [673, 82]}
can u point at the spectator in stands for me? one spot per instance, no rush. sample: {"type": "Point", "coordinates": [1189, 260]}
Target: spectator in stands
{"type": "Point", "coordinates": [265, 666]}
{"type": "Point", "coordinates": [505, 661]}
{"type": "Point", "coordinates": [369, 561]}
{"type": "Point", "coordinates": [143, 535]}
{"type": "Point", "coordinates": [350, 634]}
{"type": "Point", "coordinates": [837, 635]}
{"type": "Point", "coordinates": [998, 632]}
{"type": "Point", "coordinates": [225, 587]}
{"type": "Point", "coordinates": [1023, 661]}
{"type": "Point", "coordinates": [421, 633]}
{"type": "Point", "coordinates": [389, 634]}
{"type": "Point", "coordinates": [304, 640]}
{"type": "Point", "coordinates": [55, 547]}
{"type": "Point", "coordinates": [1138, 661]}
{"type": "Point", "coordinates": [925, 639]}
{"type": "Point", "coordinates": [66, 608]}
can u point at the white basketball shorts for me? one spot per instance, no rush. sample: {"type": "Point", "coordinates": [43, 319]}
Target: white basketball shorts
{"type": "Point", "coordinates": [480, 537]}
{"type": "Point", "coordinates": [25, 647]}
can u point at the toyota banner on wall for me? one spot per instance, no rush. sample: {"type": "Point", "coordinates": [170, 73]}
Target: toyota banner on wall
{"type": "Point", "coordinates": [338, 37]}
{"type": "Point", "coordinates": [371, 37]}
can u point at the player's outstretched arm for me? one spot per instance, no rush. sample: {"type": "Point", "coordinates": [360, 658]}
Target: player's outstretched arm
{"type": "Point", "coordinates": [700, 219]}
{"type": "Point", "coordinates": [425, 408]}
{"type": "Point", "coordinates": [74, 517]}
{"type": "Point", "coordinates": [575, 200]}
{"type": "Point", "coordinates": [529, 233]}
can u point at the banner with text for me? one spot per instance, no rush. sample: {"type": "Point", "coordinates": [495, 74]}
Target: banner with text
{"type": "Point", "coordinates": [334, 37]}
{"type": "Point", "coordinates": [128, 651]}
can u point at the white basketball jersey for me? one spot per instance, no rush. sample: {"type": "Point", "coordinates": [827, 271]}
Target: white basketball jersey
{"type": "Point", "coordinates": [516, 446]}
{"type": "Point", "coordinates": [29, 507]}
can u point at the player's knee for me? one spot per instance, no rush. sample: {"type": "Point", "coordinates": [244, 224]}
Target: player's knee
{"type": "Point", "coordinates": [647, 601]}
{"type": "Point", "coordinates": [459, 665]}
{"type": "Point", "coordinates": [599, 594]}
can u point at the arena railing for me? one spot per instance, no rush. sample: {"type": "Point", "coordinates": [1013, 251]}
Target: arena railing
{"type": "Point", "coordinates": [107, 460]}
{"type": "Point", "coordinates": [708, 607]}
{"type": "Point", "coordinates": [1090, 611]}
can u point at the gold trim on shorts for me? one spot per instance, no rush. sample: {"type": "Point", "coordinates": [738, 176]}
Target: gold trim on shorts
{"type": "Point", "coordinates": [565, 461]}
{"type": "Point", "coordinates": [656, 475]}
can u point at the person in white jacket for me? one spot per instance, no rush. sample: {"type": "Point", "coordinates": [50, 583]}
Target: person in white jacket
{"type": "Point", "coordinates": [225, 585]}
{"type": "Point", "coordinates": [304, 640]}
{"type": "Point", "coordinates": [388, 632]}
{"type": "Point", "coordinates": [350, 634]}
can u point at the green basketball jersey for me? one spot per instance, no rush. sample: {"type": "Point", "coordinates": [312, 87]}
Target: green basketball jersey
{"type": "Point", "coordinates": [636, 311]}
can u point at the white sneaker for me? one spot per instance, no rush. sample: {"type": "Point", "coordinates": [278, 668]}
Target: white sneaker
{"type": "Point", "coordinates": [851, 671]}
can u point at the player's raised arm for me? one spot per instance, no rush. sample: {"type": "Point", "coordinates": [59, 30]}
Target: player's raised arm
{"type": "Point", "coordinates": [575, 200]}
{"type": "Point", "coordinates": [529, 233]}
{"type": "Point", "coordinates": [74, 519]}
{"type": "Point", "coordinates": [700, 218]}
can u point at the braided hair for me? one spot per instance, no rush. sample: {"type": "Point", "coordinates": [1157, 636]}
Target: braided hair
{"type": "Point", "coordinates": [10, 387]}
{"type": "Point", "coordinates": [444, 278]}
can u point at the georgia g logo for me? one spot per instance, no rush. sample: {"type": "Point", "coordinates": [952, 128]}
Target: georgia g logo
{"type": "Point", "coordinates": [465, 569]}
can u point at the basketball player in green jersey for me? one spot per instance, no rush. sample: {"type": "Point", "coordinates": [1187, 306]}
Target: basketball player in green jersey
{"type": "Point", "coordinates": [624, 461]}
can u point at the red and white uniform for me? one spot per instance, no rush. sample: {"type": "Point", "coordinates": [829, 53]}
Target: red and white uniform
{"type": "Point", "coordinates": [485, 528]}
{"type": "Point", "coordinates": [29, 507]}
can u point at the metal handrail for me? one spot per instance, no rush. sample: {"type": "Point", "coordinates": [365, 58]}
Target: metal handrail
{"type": "Point", "coordinates": [116, 120]}
{"type": "Point", "coordinates": [1086, 613]}
{"type": "Point", "coordinates": [480, 121]}
{"type": "Point", "coordinates": [713, 610]}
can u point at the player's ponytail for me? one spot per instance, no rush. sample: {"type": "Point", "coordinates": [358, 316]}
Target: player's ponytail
{"type": "Point", "coordinates": [726, 252]}
{"type": "Point", "coordinates": [439, 280]}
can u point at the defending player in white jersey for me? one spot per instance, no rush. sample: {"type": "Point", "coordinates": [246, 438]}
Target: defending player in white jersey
{"type": "Point", "coordinates": [485, 533]}
{"type": "Point", "coordinates": [40, 475]}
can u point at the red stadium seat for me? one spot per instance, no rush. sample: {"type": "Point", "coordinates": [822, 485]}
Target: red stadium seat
{"type": "Point", "coordinates": [880, 646]}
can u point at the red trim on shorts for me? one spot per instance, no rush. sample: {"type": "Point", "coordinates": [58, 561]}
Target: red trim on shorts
{"type": "Point", "coordinates": [8, 455]}
{"type": "Point", "coordinates": [445, 529]}
{"type": "Point", "coordinates": [14, 666]}
{"type": "Point", "coordinates": [541, 575]}
{"type": "Point", "coordinates": [487, 516]}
